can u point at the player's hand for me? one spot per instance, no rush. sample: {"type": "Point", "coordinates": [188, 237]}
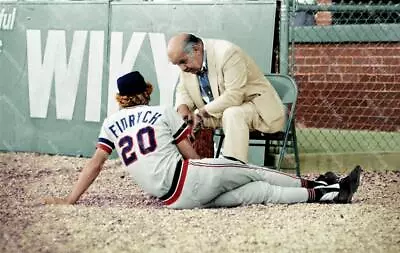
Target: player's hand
{"type": "Point", "coordinates": [186, 114]}
{"type": "Point", "coordinates": [197, 124]}
{"type": "Point", "coordinates": [189, 119]}
{"type": "Point", "coordinates": [55, 201]}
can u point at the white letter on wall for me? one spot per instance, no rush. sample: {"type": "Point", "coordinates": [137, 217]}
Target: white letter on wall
{"type": "Point", "coordinates": [167, 73]}
{"type": "Point", "coordinates": [95, 76]}
{"type": "Point", "coordinates": [121, 65]}
{"type": "Point", "coordinates": [40, 74]}
{"type": "Point", "coordinates": [67, 75]}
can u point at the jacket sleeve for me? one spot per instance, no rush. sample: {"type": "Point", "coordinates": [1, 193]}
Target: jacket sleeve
{"type": "Point", "coordinates": [182, 95]}
{"type": "Point", "coordinates": [234, 70]}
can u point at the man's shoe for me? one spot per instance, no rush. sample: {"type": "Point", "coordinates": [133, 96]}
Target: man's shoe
{"type": "Point", "coordinates": [349, 185]}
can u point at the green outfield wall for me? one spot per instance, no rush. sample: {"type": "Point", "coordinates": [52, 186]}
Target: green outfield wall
{"type": "Point", "coordinates": [59, 61]}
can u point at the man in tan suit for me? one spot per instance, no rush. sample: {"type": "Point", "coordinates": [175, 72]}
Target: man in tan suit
{"type": "Point", "coordinates": [222, 86]}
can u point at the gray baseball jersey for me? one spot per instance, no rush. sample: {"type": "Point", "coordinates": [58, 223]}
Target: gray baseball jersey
{"type": "Point", "coordinates": [145, 138]}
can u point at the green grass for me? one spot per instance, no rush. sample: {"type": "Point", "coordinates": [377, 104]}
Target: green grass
{"type": "Point", "coordinates": [344, 141]}
{"type": "Point", "coordinates": [340, 150]}
{"type": "Point", "coordinates": [344, 162]}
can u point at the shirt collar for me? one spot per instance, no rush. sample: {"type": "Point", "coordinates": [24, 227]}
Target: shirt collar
{"type": "Point", "coordinates": [204, 66]}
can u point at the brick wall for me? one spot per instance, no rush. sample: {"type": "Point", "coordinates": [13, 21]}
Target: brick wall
{"type": "Point", "coordinates": [348, 86]}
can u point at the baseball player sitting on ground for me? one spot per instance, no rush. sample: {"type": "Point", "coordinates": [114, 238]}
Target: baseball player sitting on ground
{"type": "Point", "coordinates": [152, 142]}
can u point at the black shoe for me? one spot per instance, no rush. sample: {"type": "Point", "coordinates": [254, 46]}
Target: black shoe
{"type": "Point", "coordinates": [327, 194]}
{"type": "Point", "coordinates": [349, 185]}
{"type": "Point", "coordinates": [329, 178]}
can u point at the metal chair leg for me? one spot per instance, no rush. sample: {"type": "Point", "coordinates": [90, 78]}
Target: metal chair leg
{"type": "Point", "coordinates": [220, 141]}
{"type": "Point", "coordinates": [296, 150]}
{"type": "Point", "coordinates": [269, 160]}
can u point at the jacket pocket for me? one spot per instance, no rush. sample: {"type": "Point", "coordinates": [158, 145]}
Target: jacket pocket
{"type": "Point", "coordinates": [271, 110]}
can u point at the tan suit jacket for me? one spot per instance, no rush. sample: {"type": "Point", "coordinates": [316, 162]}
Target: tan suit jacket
{"type": "Point", "coordinates": [234, 79]}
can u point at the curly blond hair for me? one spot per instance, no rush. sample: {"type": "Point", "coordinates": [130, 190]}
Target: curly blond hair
{"type": "Point", "coordinates": [138, 99]}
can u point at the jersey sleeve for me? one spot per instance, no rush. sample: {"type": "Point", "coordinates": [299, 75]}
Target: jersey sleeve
{"type": "Point", "coordinates": [180, 130]}
{"type": "Point", "coordinates": [104, 141]}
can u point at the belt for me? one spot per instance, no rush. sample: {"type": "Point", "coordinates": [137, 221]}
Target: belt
{"type": "Point", "coordinates": [177, 183]}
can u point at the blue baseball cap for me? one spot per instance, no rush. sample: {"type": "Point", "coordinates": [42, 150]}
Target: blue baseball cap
{"type": "Point", "coordinates": [131, 84]}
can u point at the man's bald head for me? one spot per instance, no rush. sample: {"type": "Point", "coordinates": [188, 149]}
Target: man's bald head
{"type": "Point", "coordinates": [176, 44]}
{"type": "Point", "coordinates": [186, 51]}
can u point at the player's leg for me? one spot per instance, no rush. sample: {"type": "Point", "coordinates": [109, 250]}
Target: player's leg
{"type": "Point", "coordinates": [201, 185]}
{"type": "Point", "coordinates": [236, 171]}
{"type": "Point", "coordinates": [276, 177]}
{"type": "Point", "coordinates": [261, 192]}
{"type": "Point", "coordinates": [208, 178]}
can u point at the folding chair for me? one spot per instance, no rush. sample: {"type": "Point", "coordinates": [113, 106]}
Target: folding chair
{"type": "Point", "coordinates": [279, 142]}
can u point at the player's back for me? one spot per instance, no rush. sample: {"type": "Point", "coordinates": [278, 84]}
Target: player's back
{"type": "Point", "coordinates": [143, 137]}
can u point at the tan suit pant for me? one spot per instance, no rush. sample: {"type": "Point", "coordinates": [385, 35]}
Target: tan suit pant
{"type": "Point", "coordinates": [237, 122]}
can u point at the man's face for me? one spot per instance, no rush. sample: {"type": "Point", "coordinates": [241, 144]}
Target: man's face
{"type": "Point", "coordinates": [191, 62]}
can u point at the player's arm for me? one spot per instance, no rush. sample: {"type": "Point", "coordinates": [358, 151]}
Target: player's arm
{"type": "Point", "coordinates": [181, 132]}
{"type": "Point", "coordinates": [181, 140]}
{"type": "Point", "coordinates": [186, 149]}
{"type": "Point", "coordinates": [86, 178]}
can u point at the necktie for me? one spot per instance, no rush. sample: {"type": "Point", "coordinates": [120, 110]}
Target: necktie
{"type": "Point", "coordinates": [205, 88]}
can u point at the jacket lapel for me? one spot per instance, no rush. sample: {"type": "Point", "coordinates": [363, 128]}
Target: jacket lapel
{"type": "Point", "coordinates": [212, 70]}
{"type": "Point", "coordinates": [193, 86]}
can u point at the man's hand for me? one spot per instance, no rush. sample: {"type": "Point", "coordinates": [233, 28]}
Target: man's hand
{"type": "Point", "coordinates": [186, 114]}
{"type": "Point", "coordinates": [54, 200]}
{"type": "Point", "coordinates": [203, 113]}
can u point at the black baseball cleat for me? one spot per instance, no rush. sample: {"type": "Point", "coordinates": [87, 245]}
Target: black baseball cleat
{"type": "Point", "coordinates": [348, 186]}
{"type": "Point", "coordinates": [327, 194]}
